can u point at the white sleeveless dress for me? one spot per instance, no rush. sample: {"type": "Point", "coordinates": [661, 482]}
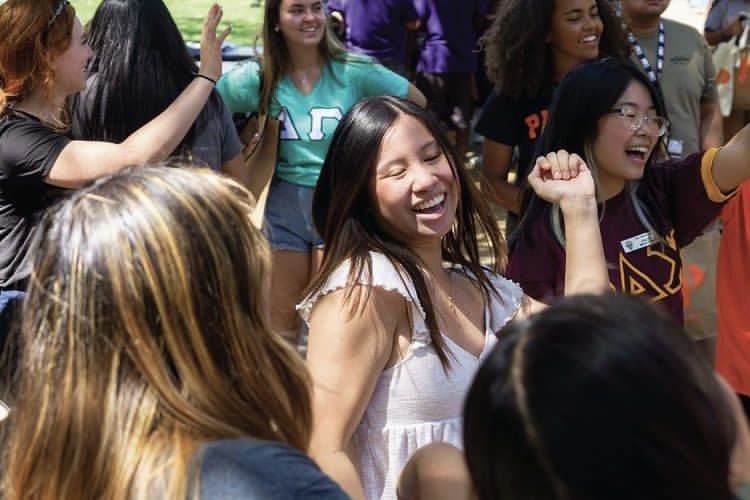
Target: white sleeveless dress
{"type": "Point", "coordinates": [414, 402]}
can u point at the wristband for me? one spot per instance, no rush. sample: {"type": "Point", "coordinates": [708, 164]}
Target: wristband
{"type": "Point", "coordinates": [200, 75]}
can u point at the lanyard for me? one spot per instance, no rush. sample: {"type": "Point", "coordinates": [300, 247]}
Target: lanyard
{"type": "Point", "coordinates": [641, 55]}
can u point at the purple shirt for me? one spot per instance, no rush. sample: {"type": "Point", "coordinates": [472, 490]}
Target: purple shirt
{"type": "Point", "coordinates": [684, 205]}
{"type": "Point", "coordinates": [450, 26]}
{"type": "Point", "coordinates": [376, 28]}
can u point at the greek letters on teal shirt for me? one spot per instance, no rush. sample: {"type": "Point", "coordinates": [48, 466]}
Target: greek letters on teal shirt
{"type": "Point", "coordinates": [308, 121]}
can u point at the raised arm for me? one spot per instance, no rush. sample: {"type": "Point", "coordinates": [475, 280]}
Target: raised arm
{"type": "Point", "coordinates": [347, 351]}
{"type": "Point", "coordinates": [711, 129]}
{"type": "Point", "coordinates": [564, 179]}
{"type": "Point", "coordinates": [496, 160]}
{"type": "Point", "coordinates": [731, 165]}
{"type": "Point", "coordinates": [82, 161]}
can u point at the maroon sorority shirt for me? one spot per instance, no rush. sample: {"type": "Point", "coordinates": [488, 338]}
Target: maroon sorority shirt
{"type": "Point", "coordinates": [686, 200]}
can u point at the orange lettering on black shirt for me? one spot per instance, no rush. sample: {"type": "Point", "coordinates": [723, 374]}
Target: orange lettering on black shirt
{"type": "Point", "coordinates": [534, 121]}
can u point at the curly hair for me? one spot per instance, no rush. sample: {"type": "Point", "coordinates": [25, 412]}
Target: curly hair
{"type": "Point", "coordinates": [516, 58]}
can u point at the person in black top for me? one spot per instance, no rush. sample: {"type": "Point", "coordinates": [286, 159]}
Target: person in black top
{"type": "Point", "coordinates": [530, 45]}
{"type": "Point", "coordinates": [43, 60]}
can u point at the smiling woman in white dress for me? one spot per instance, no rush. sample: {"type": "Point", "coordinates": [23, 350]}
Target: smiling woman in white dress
{"type": "Point", "coordinates": [402, 311]}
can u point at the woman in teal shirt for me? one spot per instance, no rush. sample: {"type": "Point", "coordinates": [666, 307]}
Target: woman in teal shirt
{"type": "Point", "coordinates": [309, 82]}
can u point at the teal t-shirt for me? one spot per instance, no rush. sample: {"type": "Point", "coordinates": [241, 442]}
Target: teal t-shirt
{"type": "Point", "coordinates": [308, 121]}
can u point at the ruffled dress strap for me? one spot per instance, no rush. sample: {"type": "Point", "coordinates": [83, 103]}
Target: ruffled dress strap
{"type": "Point", "coordinates": [385, 275]}
{"type": "Point", "coordinates": [505, 305]}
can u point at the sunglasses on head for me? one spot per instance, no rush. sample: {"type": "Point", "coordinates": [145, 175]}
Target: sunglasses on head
{"type": "Point", "coordinates": [59, 8]}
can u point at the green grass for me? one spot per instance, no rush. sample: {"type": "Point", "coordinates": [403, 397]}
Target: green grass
{"type": "Point", "coordinates": [245, 16]}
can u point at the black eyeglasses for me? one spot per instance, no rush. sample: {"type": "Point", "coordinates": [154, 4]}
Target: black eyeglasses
{"type": "Point", "coordinates": [652, 125]}
{"type": "Point", "coordinates": [59, 8]}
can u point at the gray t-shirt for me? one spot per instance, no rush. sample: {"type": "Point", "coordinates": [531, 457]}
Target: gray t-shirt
{"type": "Point", "coordinates": [214, 140]}
{"type": "Point", "coordinates": [687, 82]}
{"type": "Point", "coordinates": [261, 470]}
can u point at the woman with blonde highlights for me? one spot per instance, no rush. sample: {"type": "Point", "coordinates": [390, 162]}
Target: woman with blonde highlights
{"type": "Point", "coordinates": [148, 367]}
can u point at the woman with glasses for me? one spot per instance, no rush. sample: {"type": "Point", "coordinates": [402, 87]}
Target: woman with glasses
{"type": "Point", "coordinates": [607, 112]}
{"type": "Point", "coordinates": [43, 61]}
{"type": "Point", "coordinates": [529, 48]}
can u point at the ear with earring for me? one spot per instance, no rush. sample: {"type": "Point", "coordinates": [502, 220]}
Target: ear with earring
{"type": "Point", "coordinates": [276, 28]}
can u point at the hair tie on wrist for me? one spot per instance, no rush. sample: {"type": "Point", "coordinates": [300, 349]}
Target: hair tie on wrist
{"type": "Point", "coordinates": [200, 75]}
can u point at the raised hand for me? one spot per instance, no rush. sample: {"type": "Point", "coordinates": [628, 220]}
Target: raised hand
{"type": "Point", "coordinates": [559, 176]}
{"type": "Point", "coordinates": [211, 43]}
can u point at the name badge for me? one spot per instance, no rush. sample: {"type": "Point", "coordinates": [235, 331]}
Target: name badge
{"type": "Point", "coordinates": [637, 242]}
{"type": "Point", "coordinates": [674, 148]}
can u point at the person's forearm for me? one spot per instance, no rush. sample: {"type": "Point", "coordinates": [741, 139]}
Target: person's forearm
{"type": "Point", "coordinates": [504, 194]}
{"type": "Point", "coordinates": [157, 139]}
{"type": "Point", "coordinates": [714, 37]}
{"type": "Point", "coordinates": [341, 469]}
{"type": "Point", "coordinates": [712, 132]}
{"type": "Point", "coordinates": [585, 265]}
{"type": "Point", "coordinates": [731, 166]}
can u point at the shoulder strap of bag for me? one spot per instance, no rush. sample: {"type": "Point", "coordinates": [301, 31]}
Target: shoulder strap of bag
{"type": "Point", "coordinates": [261, 163]}
{"type": "Point", "coordinates": [741, 41]}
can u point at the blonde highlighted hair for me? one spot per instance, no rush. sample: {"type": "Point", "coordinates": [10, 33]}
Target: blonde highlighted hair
{"type": "Point", "coordinates": [146, 335]}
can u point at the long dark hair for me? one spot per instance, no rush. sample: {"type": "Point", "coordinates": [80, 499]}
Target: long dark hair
{"type": "Point", "coordinates": [344, 211]}
{"type": "Point", "coordinates": [585, 95]}
{"type": "Point", "coordinates": [598, 397]}
{"type": "Point", "coordinates": [519, 61]}
{"type": "Point", "coordinates": [140, 66]}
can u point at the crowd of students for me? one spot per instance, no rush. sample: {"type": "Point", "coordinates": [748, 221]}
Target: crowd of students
{"type": "Point", "coordinates": [149, 327]}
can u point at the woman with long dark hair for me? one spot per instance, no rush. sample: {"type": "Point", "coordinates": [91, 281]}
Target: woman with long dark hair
{"type": "Point", "coordinates": [529, 48]}
{"type": "Point", "coordinates": [608, 113]}
{"type": "Point", "coordinates": [140, 65]}
{"type": "Point", "coordinates": [403, 310]}
{"type": "Point", "coordinates": [602, 397]}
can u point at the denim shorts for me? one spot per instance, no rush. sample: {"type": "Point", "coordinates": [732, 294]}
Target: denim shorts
{"type": "Point", "coordinates": [9, 302]}
{"type": "Point", "coordinates": [289, 224]}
